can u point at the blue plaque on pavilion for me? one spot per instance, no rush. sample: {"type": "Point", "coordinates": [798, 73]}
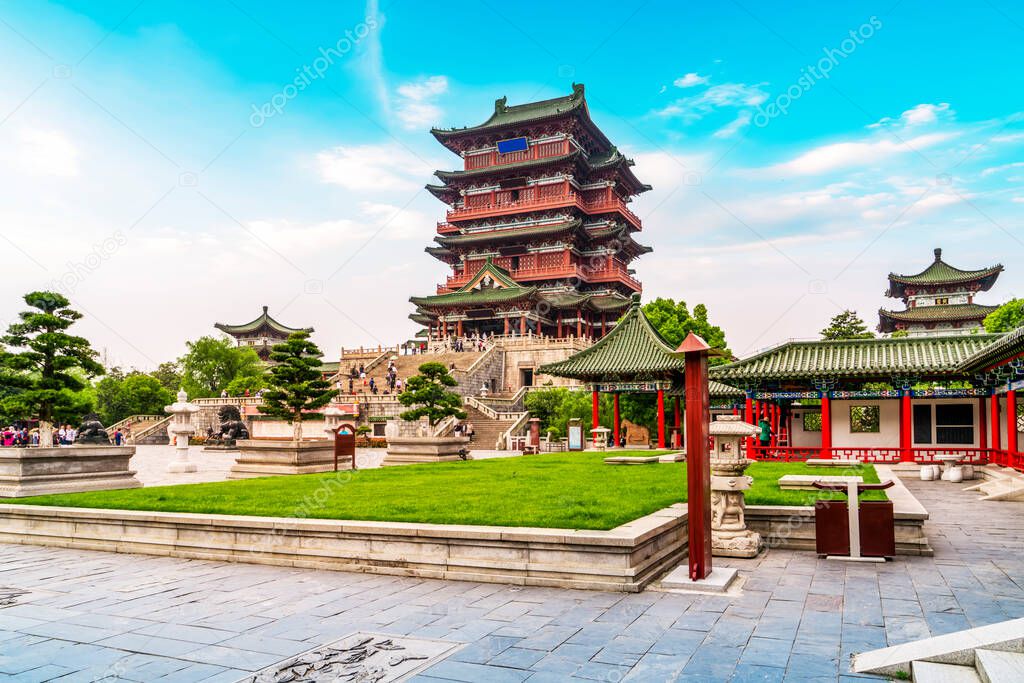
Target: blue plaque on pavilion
{"type": "Point", "coordinates": [512, 145]}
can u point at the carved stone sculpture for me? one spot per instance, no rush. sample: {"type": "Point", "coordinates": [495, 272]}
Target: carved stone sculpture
{"type": "Point", "coordinates": [730, 536]}
{"type": "Point", "coordinates": [91, 432]}
{"type": "Point", "coordinates": [636, 435]}
{"type": "Point", "coordinates": [231, 427]}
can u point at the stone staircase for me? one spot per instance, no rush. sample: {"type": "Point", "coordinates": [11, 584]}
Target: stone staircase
{"type": "Point", "coordinates": [987, 654]}
{"type": "Point", "coordinates": [152, 434]}
{"type": "Point", "coordinates": [1000, 484]}
{"type": "Point", "coordinates": [486, 429]}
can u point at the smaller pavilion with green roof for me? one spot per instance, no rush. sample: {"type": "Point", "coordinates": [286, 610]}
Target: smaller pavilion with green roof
{"type": "Point", "coordinates": [939, 300]}
{"type": "Point", "coordinates": [634, 358]}
{"type": "Point", "coordinates": [260, 334]}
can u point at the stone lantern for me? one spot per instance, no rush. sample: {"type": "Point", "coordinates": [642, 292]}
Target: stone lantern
{"type": "Point", "coordinates": [730, 536]}
{"type": "Point", "coordinates": [333, 417]}
{"type": "Point", "coordinates": [181, 428]}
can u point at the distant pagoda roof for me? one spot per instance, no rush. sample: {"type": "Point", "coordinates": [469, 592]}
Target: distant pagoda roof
{"type": "Point", "coordinates": [503, 234]}
{"type": "Point", "coordinates": [506, 116]}
{"type": "Point", "coordinates": [491, 284]}
{"type": "Point", "coordinates": [263, 322]}
{"type": "Point", "coordinates": [933, 314]}
{"type": "Point", "coordinates": [940, 273]}
{"type": "Point", "coordinates": [632, 350]}
{"type": "Point", "coordinates": [857, 359]}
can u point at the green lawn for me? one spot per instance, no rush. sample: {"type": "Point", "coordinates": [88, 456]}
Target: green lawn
{"type": "Point", "coordinates": [569, 491]}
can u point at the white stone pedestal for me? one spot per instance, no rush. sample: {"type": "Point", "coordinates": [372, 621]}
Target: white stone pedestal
{"type": "Point", "coordinates": [718, 581]}
{"type": "Point", "coordinates": [71, 469]}
{"type": "Point", "coordinates": [407, 450]}
{"type": "Point", "coordinates": [270, 457]}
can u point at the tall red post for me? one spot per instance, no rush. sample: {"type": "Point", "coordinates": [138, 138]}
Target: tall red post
{"type": "Point", "coordinates": [906, 434]}
{"type": "Point", "coordinates": [615, 418]}
{"type": "Point", "coordinates": [773, 420]}
{"type": "Point", "coordinates": [982, 427]}
{"type": "Point", "coordinates": [748, 416]}
{"type": "Point", "coordinates": [595, 413]}
{"type": "Point", "coordinates": [661, 418]}
{"type": "Point", "coordinates": [678, 423]}
{"type": "Point", "coordinates": [994, 424]}
{"type": "Point", "coordinates": [698, 466]}
{"type": "Point", "coordinates": [826, 425]}
{"type": "Point", "coordinates": [1011, 424]}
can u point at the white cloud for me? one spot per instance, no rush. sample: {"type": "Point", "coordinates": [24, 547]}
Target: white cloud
{"type": "Point", "coordinates": [741, 121]}
{"type": "Point", "coordinates": [396, 223]}
{"type": "Point", "coordinates": [845, 154]}
{"type": "Point", "coordinates": [691, 79]}
{"type": "Point", "coordinates": [725, 95]}
{"type": "Point", "coordinates": [920, 115]}
{"type": "Point", "coordinates": [372, 167]}
{"type": "Point", "coordinates": [46, 152]}
{"type": "Point", "coordinates": [1002, 167]}
{"type": "Point", "coordinates": [415, 106]}
{"type": "Point", "coordinates": [1018, 200]}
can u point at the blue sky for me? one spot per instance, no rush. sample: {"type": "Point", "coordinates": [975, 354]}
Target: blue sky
{"type": "Point", "coordinates": [798, 152]}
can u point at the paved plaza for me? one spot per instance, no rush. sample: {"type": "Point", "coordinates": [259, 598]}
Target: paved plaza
{"type": "Point", "coordinates": [82, 616]}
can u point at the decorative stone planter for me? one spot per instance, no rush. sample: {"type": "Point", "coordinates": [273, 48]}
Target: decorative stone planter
{"type": "Point", "coordinates": [406, 450]}
{"type": "Point", "coordinates": [272, 457]}
{"type": "Point", "coordinates": [73, 469]}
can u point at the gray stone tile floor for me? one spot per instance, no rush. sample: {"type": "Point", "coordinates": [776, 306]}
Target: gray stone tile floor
{"type": "Point", "coordinates": [88, 616]}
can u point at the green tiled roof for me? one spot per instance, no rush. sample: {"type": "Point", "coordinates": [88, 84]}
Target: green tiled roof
{"type": "Point", "coordinates": [719, 390]}
{"type": "Point", "coordinates": [505, 115]}
{"type": "Point", "coordinates": [941, 273]}
{"type": "Point", "coordinates": [439, 252]}
{"type": "Point", "coordinates": [519, 165]}
{"type": "Point", "coordinates": [633, 350]}
{"type": "Point", "coordinates": [263, 321]}
{"type": "Point", "coordinates": [1008, 346]}
{"type": "Point", "coordinates": [479, 296]}
{"type": "Point", "coordinates": [857, 359]}
{"type": "Point", "coordinates": [500, 235]}
{"type": "Point", "coordinates": [950, 313]}
{"type": "Point", "coordinates": [573, 299]}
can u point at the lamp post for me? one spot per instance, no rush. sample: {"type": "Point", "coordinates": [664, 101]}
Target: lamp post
{"type": "Point", "coordinates": [181, 429]}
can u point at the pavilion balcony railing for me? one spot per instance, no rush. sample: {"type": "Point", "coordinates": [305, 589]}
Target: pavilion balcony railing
{"type": "Point", "coordinates": [537, 150]}
{"type": "Point", "coordinates": [542, 201]}
{"type": "Point", "coordinates": [573, 270]}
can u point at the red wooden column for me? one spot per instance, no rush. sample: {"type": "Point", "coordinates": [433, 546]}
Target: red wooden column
{"type": "Point", "coordinates": [698, 467]}
{"type": "Point", "coordinates": [677, 414]}
{"type": "Point", "coordinates": [982, 426]}
{"type": "Point", "coordinates": [579, 323]}
{"type": "Point", "coordinates": [994, 424]}
{"type": "Point", "coordinates": [773, 421]}
{"type": "Point", "coordinates": [522, 325]}
{"type": "Point", "coordinates": [748, 416]}
{"type": "Point", "coordinates": [906, 433]}
{"type": "Point", "coordinates": [595, 414]}
{"type": "Point", "coordinates": [506, 326]}
{"type": "Point", "coordinates": [661, 418]}
{"type": "Point", "coordinates": [615, 418]}
{"type": "Point", "coordinates": [559, 334]}
{"type": "Point", "coordinates": [1011, 425]}
{"type": "Point", "coordinates": [826, 425]}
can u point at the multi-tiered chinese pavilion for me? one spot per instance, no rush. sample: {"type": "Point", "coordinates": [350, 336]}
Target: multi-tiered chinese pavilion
{"type": "Point", "coordinates": [939, 300]}
{"type": "Point", "coordinates": [539, 234]}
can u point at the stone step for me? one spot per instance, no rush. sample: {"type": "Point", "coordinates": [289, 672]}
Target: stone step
{"type": "Point", "coordinates": [995, 666]}
{"type": "Point", "coordinates": [930, 672]}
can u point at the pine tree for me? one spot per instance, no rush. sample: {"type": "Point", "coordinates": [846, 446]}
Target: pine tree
{"type": "Point", "coordinates": [428, 393]}
{"type": "Point", "coordinates": [42, 373]}
{"type": "Point", "coordinates": [846, 325]}
{"type": "Point", "coordinates": [295, 383]}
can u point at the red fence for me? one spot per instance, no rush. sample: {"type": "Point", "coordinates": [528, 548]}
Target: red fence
{"type": "Point", "coordinates": [974, 456]}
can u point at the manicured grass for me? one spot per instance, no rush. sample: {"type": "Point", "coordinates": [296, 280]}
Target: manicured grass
{"type": "Point", "coordinates": [568, 491]}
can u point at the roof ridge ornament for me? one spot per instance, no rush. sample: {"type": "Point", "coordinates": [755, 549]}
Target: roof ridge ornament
{"type": "Point", "coordinates": [938, 253]}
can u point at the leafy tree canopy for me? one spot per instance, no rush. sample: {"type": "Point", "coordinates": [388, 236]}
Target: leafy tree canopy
{"type": "Point", "coordinates": [239, 385]}
{"type": "Point", "coordinates": [212, 363]}
{"type": "Point", "coordinates": [44, 369]}
{"type": "Point", "coordinates": [119, 396]}
{"type": "Point", "coordinates": [429, 396]}
{"type": "Point", "coordinates": [295, 384]}
{"type": "Point", "coordinates": [169, 375]}
{"type": "Point", "coordinates": [846, 325]}
{"type": "Point", "coordinates": [1007, 317]}
{"type": "Point", "coordinates": [673, 321]}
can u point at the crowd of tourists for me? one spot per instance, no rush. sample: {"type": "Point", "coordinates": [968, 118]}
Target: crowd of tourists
{"type": "Point", "coordinates": [64, 435]}
{"type": "Point", "coordinates": [359, 381]}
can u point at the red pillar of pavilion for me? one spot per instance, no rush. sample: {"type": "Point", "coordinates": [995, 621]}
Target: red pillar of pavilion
{"type": "Point", "coordinates": [559, 325]}
{"type": "Point", "coordinates": [748, 416]}
{"type": "Point", "coordinates": [661, 418]}
{"type": "Point", "coordinates": [906, 435]}
{"type": "Point", "coordinates": [615, 418]}
{"type": "Point", "coordinates": [982, 426]}
{"type": "Point", "coordinates": [1011, 425]}
{"type": "Point", "coordinates": [677, 414]}
{"type": "Point", "coordinates": [994, 424]}
{"type": "Point", "coordinates": [698, 469]}
{"type": "Point", "coordinates": [826, 425]}
{"type": "Point", "coordinates": [595, 415]}
{"type": "Point", "coordinates": [522, 325]}
{"type": "Point", "coordinates": [579, 323]}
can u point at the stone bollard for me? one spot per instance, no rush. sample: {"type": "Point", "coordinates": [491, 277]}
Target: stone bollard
{"type": "Point", "coordinates": [181, 429]}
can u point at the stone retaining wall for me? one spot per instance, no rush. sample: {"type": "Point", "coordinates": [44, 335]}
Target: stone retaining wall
{"type": "Point", "coordinates": [624, 559]}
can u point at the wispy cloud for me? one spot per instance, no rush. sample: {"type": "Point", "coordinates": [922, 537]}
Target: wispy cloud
{"type": "Point", "coordinates": [380, 168]}
{"type": "Point", "coordinates": [721, 96]}
{"type": "Point", "coordinates": [920, 115]}
{"type": "Point", "coordinates": [840, 155]}
{"type": "Point", "coordinates": [690, 80]}
{"type": "Point", "coordinates": [416, 106]}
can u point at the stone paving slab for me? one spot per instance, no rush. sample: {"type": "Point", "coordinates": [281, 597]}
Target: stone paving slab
{"type": "Point", "coordinates": [82, 616]}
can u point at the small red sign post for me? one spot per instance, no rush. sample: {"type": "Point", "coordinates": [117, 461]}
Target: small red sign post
{"type": "Point", "coordinates": [698, 468]}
